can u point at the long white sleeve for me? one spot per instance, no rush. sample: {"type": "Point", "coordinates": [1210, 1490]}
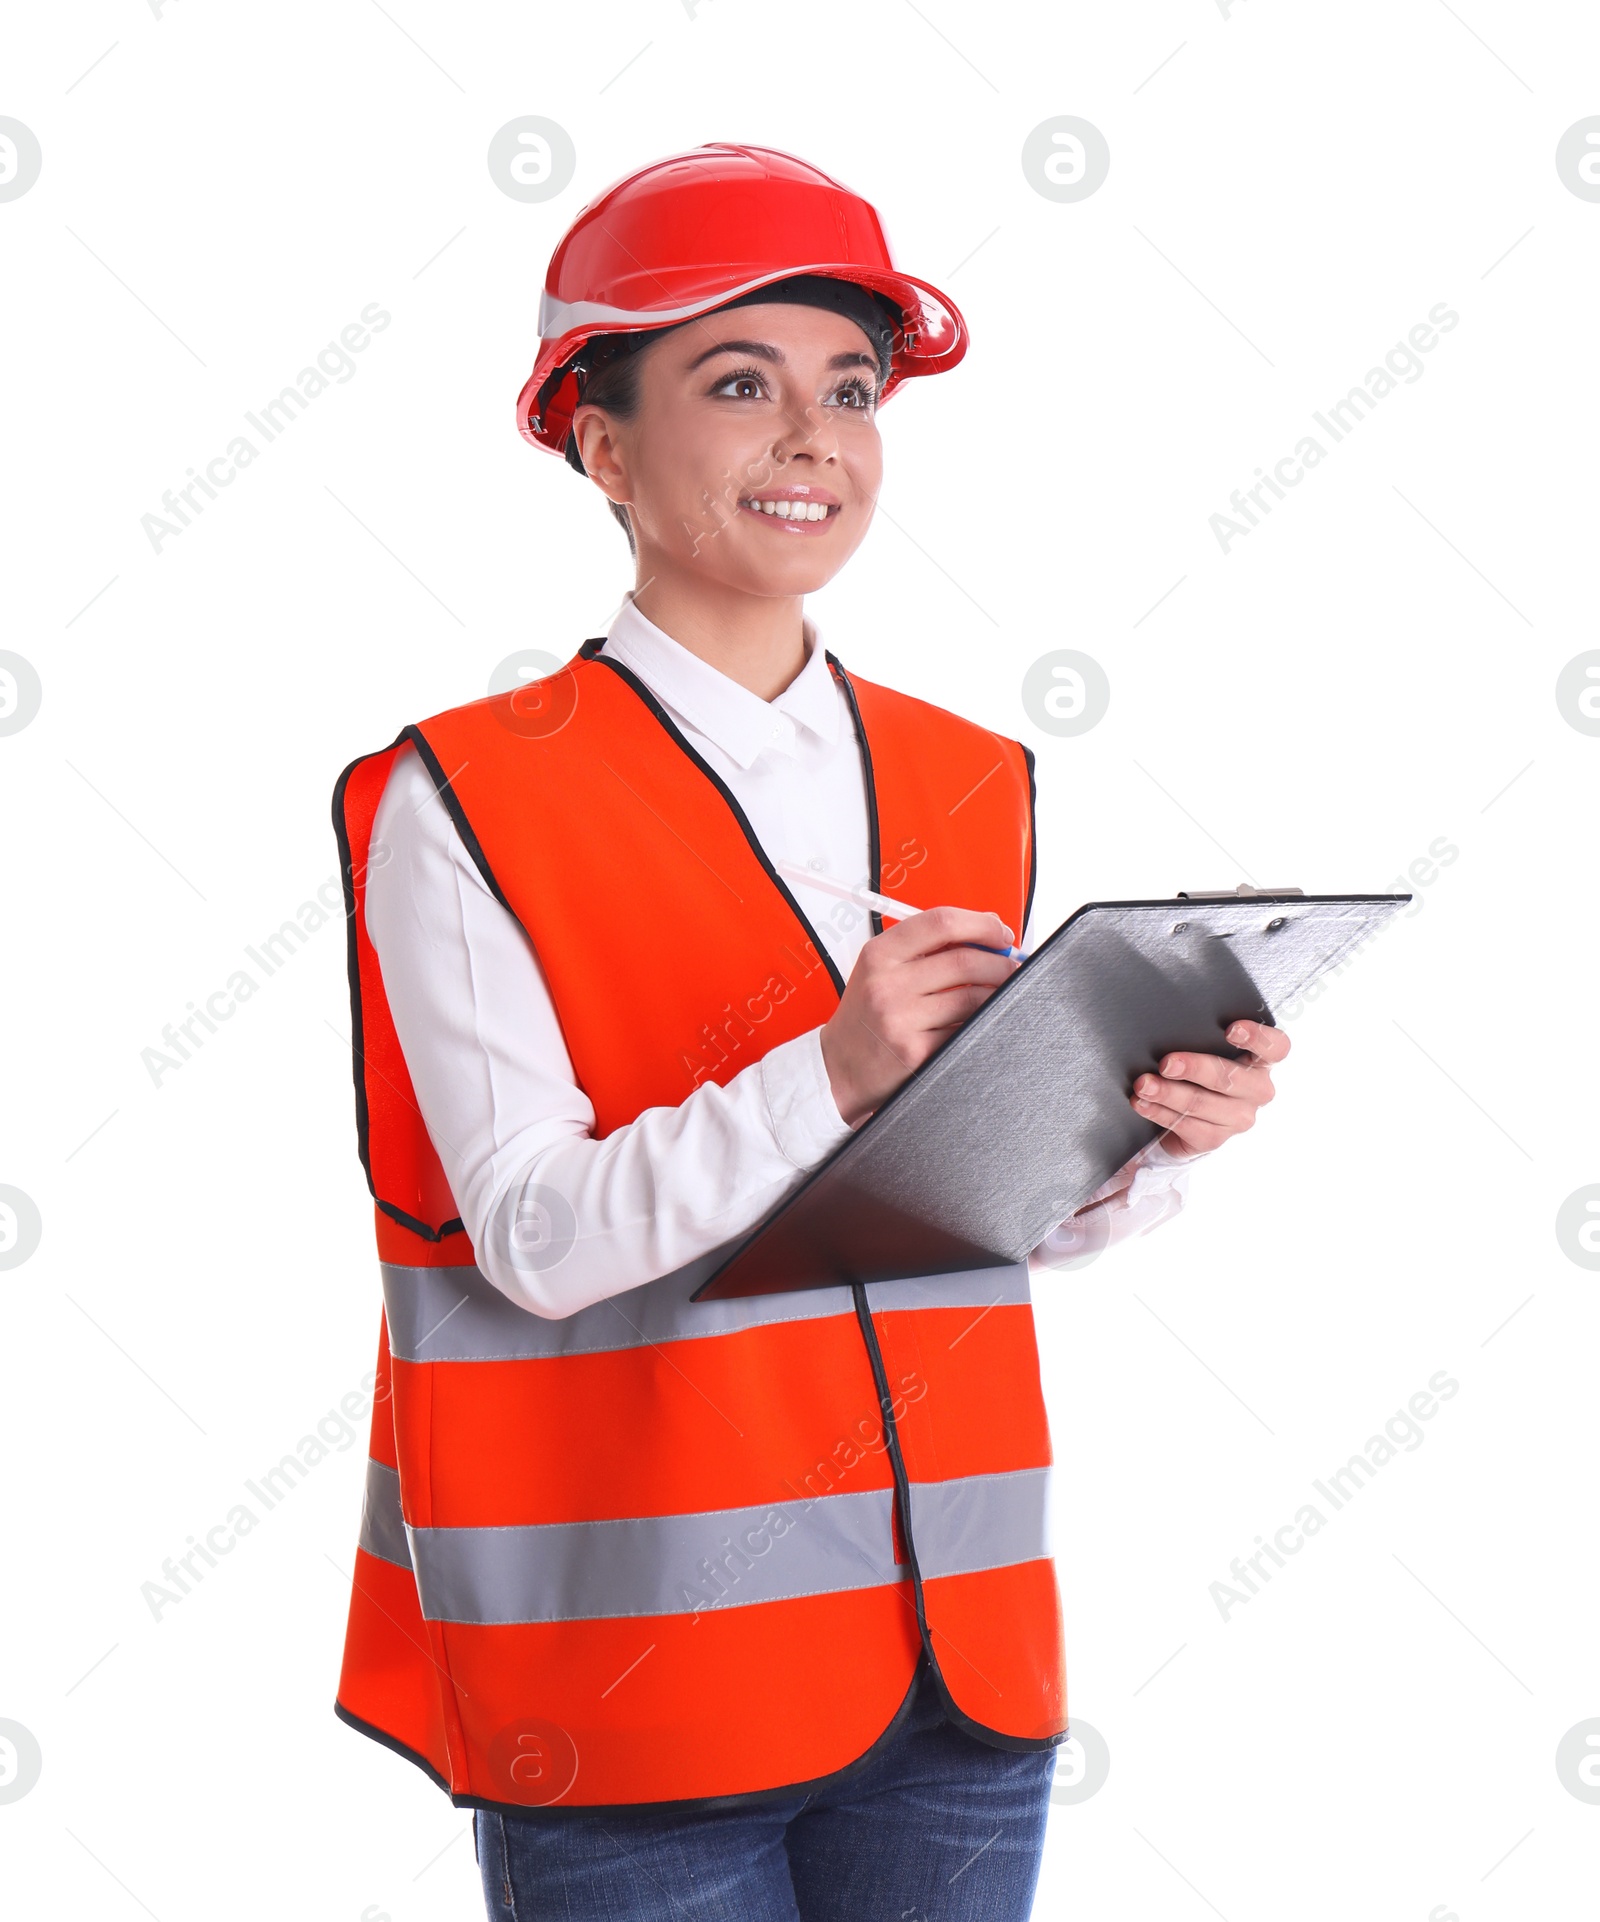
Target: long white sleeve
{"type": "Point", "coordinates": [512, 1128]}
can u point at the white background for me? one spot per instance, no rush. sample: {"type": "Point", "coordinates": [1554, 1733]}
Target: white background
{"type": "Point", "coordinates": [1371, 669]}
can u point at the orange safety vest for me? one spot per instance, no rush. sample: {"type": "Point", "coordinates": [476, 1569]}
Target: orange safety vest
{"type": "Point", "coordinates": [662, 1551]}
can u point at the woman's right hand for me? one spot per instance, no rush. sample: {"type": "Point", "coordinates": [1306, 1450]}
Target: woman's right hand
{"type": "Point", "coordinates": [912, 986]}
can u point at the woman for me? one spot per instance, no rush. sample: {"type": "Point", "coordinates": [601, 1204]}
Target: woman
{"type": "Point", "coordinates": [729, 1608]}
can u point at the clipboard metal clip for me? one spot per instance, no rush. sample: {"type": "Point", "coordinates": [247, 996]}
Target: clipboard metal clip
{"type": "Point", "coordinates": [1241, 892]}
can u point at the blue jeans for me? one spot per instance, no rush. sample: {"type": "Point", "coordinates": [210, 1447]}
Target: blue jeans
{"type": "Point", "coordinates": [936, 1827]}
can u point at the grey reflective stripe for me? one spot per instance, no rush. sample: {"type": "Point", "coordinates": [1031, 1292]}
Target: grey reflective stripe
{"type": "Point", "coordinates": [457, 1314]}
{"type": "Point", "coordinates": [383, 1530]}
{"type": "Point", "coordinates": [980, 1521]}
{"type": "Point", "coordinates": [657, 1564]}
{"type": "Point", "coordinates": [1001, 1287]}
{"type": "Point", "coordinates": [726, 1558]}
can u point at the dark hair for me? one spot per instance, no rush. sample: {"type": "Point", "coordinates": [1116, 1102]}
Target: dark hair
{"type": "Point", "coordinates": [608, 377]}
{"type": "Point", "coordinates": [607, 365]}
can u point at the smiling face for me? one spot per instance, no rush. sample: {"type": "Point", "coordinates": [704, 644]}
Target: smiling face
{"type": "Point", "coordinates": [753, 462]}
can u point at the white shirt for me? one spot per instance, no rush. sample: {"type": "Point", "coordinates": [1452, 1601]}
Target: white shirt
{"type": "Point", "coordinates": [493, 1079]}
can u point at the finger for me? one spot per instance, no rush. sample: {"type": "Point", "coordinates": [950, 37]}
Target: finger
{"type": "Point", "coordinates": [950, 1014]}
{"type": "Point", "coordinates": [1193, 1131]}
{"type": "Point", "coordinates": [1184, 1098]}
{"type": "Point", "coordinates": [948, 969]}
{"type": "Point", "coordinates": [1263, 1040]}
{"type": "Point", "coordinates": [935, 928]}
{"type": "Point", "coordinates": [1249, 1080]}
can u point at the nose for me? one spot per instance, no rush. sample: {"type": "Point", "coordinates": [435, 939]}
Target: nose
{"type": "Point", "coordinates": [812, 434]}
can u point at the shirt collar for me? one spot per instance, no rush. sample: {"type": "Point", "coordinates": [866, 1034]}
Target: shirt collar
{"type": "Point", "coordinates": [740, 723]}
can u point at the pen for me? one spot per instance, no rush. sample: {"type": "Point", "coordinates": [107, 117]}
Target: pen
{"type": "Point", "coordinates": [865, 897]}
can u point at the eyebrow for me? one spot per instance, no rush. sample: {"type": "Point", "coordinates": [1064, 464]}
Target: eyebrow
{"type": "Point", "coordinates": [763, 350]}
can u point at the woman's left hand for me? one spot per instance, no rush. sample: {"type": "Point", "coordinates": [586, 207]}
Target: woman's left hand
{"type": "Point", "coordinates": [1204, 1100]}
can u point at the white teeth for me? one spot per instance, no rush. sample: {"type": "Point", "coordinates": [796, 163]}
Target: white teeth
{"type": "Point", "coordinates": [792, 510]}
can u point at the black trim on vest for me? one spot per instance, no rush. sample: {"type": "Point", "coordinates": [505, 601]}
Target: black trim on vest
{"type": "Point", "coordinates": [1033, 837]}
{"type": "Point", "coordinates": [352, 960]}
{"type": "Point", "coordinates": [627, 674]}
{"type": "Point", "coordinates": [979, 1731]}
{"type": "Point", "coordinates": [874, 855]}
{"type": "Point", "coordinates": [454, 1226]}
{"type": "Point", "coordinates": [452, 804]}
{"type": "Point", "coordinates": [358, 1059]}
{"type": "Point", "coordinates": [453, 808]}
{"type": "Point", "coordinates": [391, 1742]}
{"type": "Point", "coordinates": [747, 1798]}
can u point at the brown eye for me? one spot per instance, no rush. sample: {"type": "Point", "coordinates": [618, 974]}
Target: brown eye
{"type": "Point", "coordinates": [742, 375]}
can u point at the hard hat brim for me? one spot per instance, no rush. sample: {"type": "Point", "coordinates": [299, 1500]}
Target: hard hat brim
{"type": "Point", "coordinates": [931, 339]}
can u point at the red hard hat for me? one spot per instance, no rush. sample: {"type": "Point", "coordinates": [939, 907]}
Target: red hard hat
{"type": "Point", "coordinates": [688, 233]}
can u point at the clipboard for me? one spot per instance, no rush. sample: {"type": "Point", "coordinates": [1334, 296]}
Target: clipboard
{"type": "Point", "coordinates": [1016, 1119]}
